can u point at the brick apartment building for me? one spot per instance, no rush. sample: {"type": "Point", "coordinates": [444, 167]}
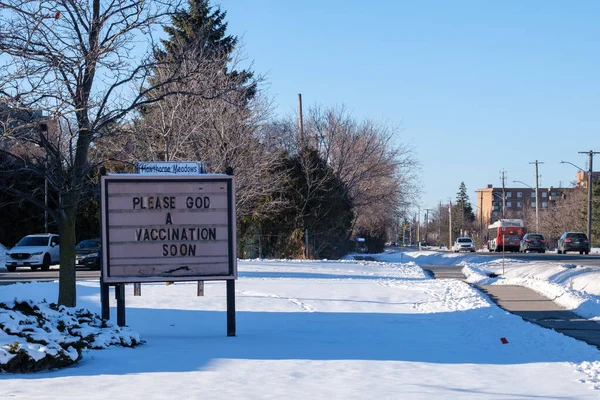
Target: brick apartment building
{"type": "Point", "coordinates": [582, 178]}
{"type": "Point", "coordinates": [519, 202]}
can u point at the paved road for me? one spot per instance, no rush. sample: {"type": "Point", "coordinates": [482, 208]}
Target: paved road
{"type": "Point", "coordinates": [576, 258]}
{"type": "Point", "coordinates": [26, 275]}
{"type": "Point", "coordinates": [592, 260]}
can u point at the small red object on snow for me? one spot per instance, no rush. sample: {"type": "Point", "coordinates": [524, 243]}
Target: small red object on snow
{"type": "Point", "coordinates": [503, 340]}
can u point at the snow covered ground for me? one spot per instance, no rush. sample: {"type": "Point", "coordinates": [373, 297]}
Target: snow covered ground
{"type": "Point", "coordinates": [334, 329]}
{"type": "Point", "coordinates": [575, 286]}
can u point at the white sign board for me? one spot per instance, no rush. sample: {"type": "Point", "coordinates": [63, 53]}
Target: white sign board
{"type": "Point", "coordinates": [168, 228]}
{"type": "Point", "coordinates": [169, 168]}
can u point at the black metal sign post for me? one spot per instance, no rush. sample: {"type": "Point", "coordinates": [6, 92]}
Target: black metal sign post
{"type": "Point", "coordinates": [104, 301]}
{"type": "Point", "coordinates": [232, 258]}
{"type": "Point", "coordinates": [230, 307]}
{"type": "Point", "coordinates": [120, 295]}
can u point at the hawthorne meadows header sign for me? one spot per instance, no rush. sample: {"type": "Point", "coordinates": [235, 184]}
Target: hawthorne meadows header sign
{"type": "Point", "coordinates": [169, 168]}
{"type": "Point", "coordinates": [168, 228]}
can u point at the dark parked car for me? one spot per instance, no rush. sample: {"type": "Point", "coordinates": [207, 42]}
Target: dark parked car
{"type": "Point", "coordinates": [87, 254]}
{"type": "Point", "coordinates": [532, 242]}
{"type": "Point", "coordinates": [573, 241]}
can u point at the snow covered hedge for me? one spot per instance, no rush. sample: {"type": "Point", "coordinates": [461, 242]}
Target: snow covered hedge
{"type": "Point", "coordinates": [39, 336]}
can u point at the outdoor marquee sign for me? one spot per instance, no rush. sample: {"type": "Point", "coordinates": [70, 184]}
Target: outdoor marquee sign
{"type": "Point", "coordinates": [159, 228]}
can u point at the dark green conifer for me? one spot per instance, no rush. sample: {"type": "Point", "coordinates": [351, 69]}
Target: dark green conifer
{"type": "Point", "coordinates": [201, 32]}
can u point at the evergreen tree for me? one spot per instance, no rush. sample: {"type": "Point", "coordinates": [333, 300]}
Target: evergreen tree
{"type": "Point", "coordinates": [462, 211]}
{"type": "Point", "coordinates": [316, 201]}
{"type": "Point", "coordinates": [201, 32]}
{"type": "Point", "coordinates": [463, 204]}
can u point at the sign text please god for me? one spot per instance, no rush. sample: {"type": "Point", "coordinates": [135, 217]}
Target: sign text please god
{"type": "Point", "coordinates": [171, 233]}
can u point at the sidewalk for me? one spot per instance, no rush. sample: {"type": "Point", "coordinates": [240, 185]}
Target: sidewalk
{"type": "Point", "coordinates": [531, 306]}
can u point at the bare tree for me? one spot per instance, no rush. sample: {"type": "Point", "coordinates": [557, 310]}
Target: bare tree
{"type": "Point", "coordinates": [86, 65]}
{"type": "Point", "coordinates": [564, 214]}
{"type": "Point", "coordinates": [230, 131]}
{"type": "Point", "coordinates": [379, 171]}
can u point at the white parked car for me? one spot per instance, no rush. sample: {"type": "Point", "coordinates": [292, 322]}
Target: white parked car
{"type": "Point", "coordinates": [463, 244]}
{"type": "Point", "coordinates": [34, 251]}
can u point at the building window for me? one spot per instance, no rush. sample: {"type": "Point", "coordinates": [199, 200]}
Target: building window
{"type": "Point", "coordinates": [553, 194]}
{"type": "Point", "coordinates": [532, 194]}
{"type": "Point", "coordinates": [533, 204]}
{"type": "Point", "coordinates": [495, 214]}
{"type": "Point", "coordinates": [544, 204]}
{"type": "Point", "coordinates": [519, 194]}
{"type": "Point", "coordinates": [519, 204]}
{"type": "Point", "coordinates": [509, 204]}
{"type": "Point", "coordinates": [508, 194]}
{"type": "Point", "coordinates": [519, 213]}
{"type": "Point", "coordinates": [544, 194]}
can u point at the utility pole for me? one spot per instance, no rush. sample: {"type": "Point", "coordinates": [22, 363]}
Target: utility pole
{"type": "Point", "coordinates": [301, 140]}
{"type": "Point", "coordinates": [440, 227]}
{"type": "Point", "coordinates": [427, 222]}
{"type": "Point", "coordinates": [537, 202]}
{"type": "Point", "coordinates": [481, 217]}
{"type": "Point", "coordinates": [589, 207]}
{"type": "Point", "coordinates": [419, 226]}
{"type": "Point", "coordinates": [503, 198]}
{"type": "Point", "coordinates": [397, 228]}
{"type": "Point", "coordinates": [462, 217]}
{"type": "Point", "coordinates": [46, 195]}
{"type": "Point", "coordinates": [450, 225]}
{"type": "Point", "coordinates": [300, 125]}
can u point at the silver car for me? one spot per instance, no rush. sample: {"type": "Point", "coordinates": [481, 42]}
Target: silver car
{"type": "Point", "coordinates": [463, 244]}
{"type": "Point", "coordinates": [34, 251]}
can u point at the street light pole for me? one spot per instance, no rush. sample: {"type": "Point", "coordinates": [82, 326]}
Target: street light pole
{"type": "Point", "coordinates": [537, 215]}
{"type": "Point", "coordinates": [537, 203]}
{"type": "Point", "coordinates": [589, 207]}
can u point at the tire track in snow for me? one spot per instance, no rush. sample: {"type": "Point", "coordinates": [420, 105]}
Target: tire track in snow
{"type": "Point", "coordinates": [302, 305]}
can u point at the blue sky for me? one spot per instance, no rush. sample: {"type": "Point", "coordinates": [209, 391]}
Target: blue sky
{"type": "Point", "coordinates": [477, 87]}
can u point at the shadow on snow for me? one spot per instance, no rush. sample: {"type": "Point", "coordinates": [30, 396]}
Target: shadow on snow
{"type": "Point", "coordinates": [188, 340]}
